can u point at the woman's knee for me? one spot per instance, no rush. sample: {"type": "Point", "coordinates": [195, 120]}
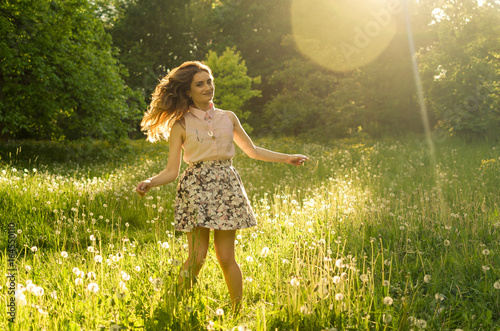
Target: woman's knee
{"type": "Point", "coordinates": [226, 260]}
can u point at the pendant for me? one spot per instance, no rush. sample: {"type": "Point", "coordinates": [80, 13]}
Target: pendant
{"type": "Point", "coordinates": [211, 134]}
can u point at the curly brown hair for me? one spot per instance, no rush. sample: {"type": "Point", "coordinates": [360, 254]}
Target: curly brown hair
{"type": "Point", "coordinates": [170, 102]}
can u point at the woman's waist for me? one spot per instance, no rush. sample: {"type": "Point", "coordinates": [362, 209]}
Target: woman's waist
{"type": "Point", "coordinates": [210, 163]}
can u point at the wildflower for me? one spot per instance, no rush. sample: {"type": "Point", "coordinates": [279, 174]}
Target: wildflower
{"type": "Point", "coordinates": [285, 261]}
{"type": "Point", "coordinates": [64, 254]}
{"type": "Point", "coordinates": [339, 263]}
{"type": "Point", "coordinates": [121, 295]}
{"type": "Point", "coordinates": [249, 279]}
{"type": "Point", "coordinates": [78, 281]}
{"type": "Point", "coordinates": [90, 249]}
{"type": "Point", "coordinates": [165, 245]}
{"type": "Point", "coordinates": [386, 283]}
{"type": "Point", "coordinates": [486, 252]}
{"type": "Point", "coordinates": [34, 249]}
{"type": "Point", "coordinates": [125, 276]}
{"type": "Point", "coordinates": [219, 312]}
{"type": "Point", "coordinates": [122, 286]}
{"type": "Point", "coordinates": [92, 237]}
{"type": "Point", "coordinates": [98, 259]}
{"type": "Point", "coordinates": [91, 275]}
{"type": "Point", "coordinates": [439, 297]}
{"type": "Point", "coordinates": [254, 235]}
{"type": "Point", "coordinates": [446, 242]}
{"type": "Point", "coordinates": [339, 297]}
{"type": "Point", "coordinates": [264, 251]}
{"type": "Point", "coordinates": [28, 268]}
{"type": "Point", "coordinates": [53, 295]}
{"type": "Point", "coordinates": [388, 301]}
{"type": "Point", "coordinates": [38, 291]}
{"type": "Point", "coordinates": [294, 282]}
{"type": "Point", "coordinates": [210, 326]}
{"type": "Point", "coordinates": [486, 268]}
{"type": "Point", "coordinates": [137, 268]}
{"type": "Point", "coordinates": [21, 300]}
{"type": "Point", "coordinates": [176, 263]}
{"type": "Point", "coordinates": [336, 279]}
{"type": "Point", "coordinates": [30, 287]}
{"type": "Point", "coordinates": [304, 310]}
{"type": "Point", "coordinates": [387, 318]}
{"type": "Point", "coordinates": [43, 312]}
{"type": "Point", "coordinates": [497, 285]}
{"type": "Point", "coordinates": [93, 287]}
{"type": "Point", "coordinates": [364, 278]}
{"type": "Point", "coordinates": [76, 271]}
{"type": "Point", "coordinates": [422, 324]}
{"type": "Point", "coordinates": [188, 309]}
{"type": "Point", "coordinates": [427, 278]}
{"type": "Point", "coordinates": [249, 259]}
{"type": "Point", "coordinates": [157, 283]}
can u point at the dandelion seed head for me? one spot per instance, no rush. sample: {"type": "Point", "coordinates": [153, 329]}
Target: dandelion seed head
{"type": "Point", "coordinates": [30, 286]}
{"type": "Point", "coordinates": [64, 254]}
{"type": "Point", "coordinates": [336, 279]}
{"type": "Point", "coordinates": [496, 285]}
{"type": "Point", "coordinates": [427, 278]}
{"type": "Point", "coordinates": [388, 301]}
{"type": "Point", "coordinates": [219, 312]}
{"type": "Point", "coordinates": [446, 242]}
{"type": "Point", "coordinates": [294, 281]}
{"type": "Point", "coordinates": [93, 287]}
{"type": "Point", "coordinates": [34, 249]}
{"type": "Point", "coordinates": [98, 259]}
{"type": "Point", "coordinates": [78, 281]}
{"type": "Point", "coordinates": [486, 252]}
{"type": "Point", "coordinates": [38, 291]}
{"type": "Point", "coordinates": [339, 297]}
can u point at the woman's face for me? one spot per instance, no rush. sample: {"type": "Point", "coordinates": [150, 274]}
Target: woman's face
{"type": "Point", "coordinates": [202, 89]}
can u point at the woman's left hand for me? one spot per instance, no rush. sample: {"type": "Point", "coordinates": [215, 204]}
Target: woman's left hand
{"type": "Point", "coordinates": [297, 159]}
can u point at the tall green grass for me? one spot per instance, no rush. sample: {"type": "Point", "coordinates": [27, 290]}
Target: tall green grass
{"type": "Point", "coordinates": [366, 236]}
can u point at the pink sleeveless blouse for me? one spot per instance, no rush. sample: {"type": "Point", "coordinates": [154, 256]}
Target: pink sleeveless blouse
{"type": "Point", "coordinates": [209, 135]}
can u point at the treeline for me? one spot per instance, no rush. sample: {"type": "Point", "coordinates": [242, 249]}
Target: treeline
{"type": "Point", "coordinates": [76, 68]}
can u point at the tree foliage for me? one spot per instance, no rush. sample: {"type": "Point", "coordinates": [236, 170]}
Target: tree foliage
{"type": "Point", "coordinates": [233, 87]}
{"type": "Point", "coordinates": [462, 69]}
{"type": "Point", "coordinates": [61, 77]}
{"type": "Point", "coordinates": [58, 76]}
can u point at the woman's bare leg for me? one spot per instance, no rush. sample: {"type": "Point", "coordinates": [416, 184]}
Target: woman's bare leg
{"type": "Point", "coordinates": [224, 249]}
{"type": "Point", "coordinates": [198, 241]}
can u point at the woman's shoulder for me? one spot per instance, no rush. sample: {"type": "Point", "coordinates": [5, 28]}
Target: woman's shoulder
{"type": "Point", "coordinates": [180, 122]}
{"type": "Point", "coordinates": [231, 115]}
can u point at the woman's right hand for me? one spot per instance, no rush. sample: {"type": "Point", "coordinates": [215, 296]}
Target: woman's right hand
{"type": "Point", "coordinates": [143, 187]}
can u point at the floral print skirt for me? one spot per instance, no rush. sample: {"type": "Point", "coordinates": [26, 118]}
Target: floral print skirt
{"type": "Point", "coordinates": [210, 194]}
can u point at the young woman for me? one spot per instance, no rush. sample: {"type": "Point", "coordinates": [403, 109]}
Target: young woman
{"type": "Point", "coordinates": [210, 194]}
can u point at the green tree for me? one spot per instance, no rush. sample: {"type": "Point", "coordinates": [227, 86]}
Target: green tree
{"type": "Point", "coordinates": [461, 68]}
{"type": "Point", "coordinates": [233, 87]}
{"type": "Point", "coordinates": [58, 76]}
{"type": "Point", "coordinates": [313, 103]}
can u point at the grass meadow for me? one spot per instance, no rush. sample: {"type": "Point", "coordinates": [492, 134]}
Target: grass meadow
{"type": "Point", "coordinates": [366, 236]}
